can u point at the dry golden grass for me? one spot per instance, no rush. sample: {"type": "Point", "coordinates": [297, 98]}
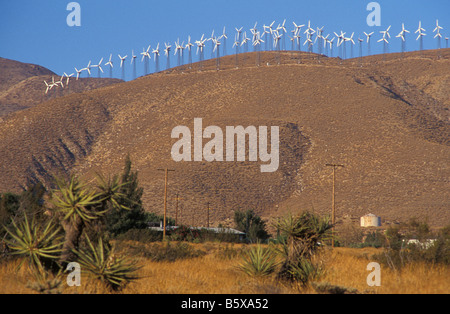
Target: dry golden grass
{"type": "Point", "coordinates": [215, 274]}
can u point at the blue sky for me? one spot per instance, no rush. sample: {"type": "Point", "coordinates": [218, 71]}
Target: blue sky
{"type": "Point", "coordinates": [35, 31]}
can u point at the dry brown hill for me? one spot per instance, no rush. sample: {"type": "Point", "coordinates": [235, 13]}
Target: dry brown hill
{"type": "Point", "coordinates": [22, 85]}
{"type": "Point", "coordinates": [387, 121]}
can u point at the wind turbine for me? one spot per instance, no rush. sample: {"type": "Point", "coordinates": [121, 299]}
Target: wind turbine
{"type": "Point", "coordinates": [167, 49]}
{"type": "Point", "coordinates": [48, 87]}
{"type": "Point", "coordinates": [385, 41]}
{"type": "Point", "coordinates": [98, 66]}
{"type": "Point", "coordinates": [122, 65]}
{"type": "Point", "coordinates": [284, 31]}
{"type": "Point", "coordinates": [217, 50]}
{"type": "Point", "coordinates": [145, 57]}
{"type": "Point", "coordinates": [438, 35]}
{"type": "Point", "coordinates": [310, 32]}
{"type": "Point", "coordinates": [212, 39]}
{"type": "Point", "coordinates": [368, 42]}
{"type": "Point", "coordinates": [236, 45]}
{"type": "Point", "coordinates": [325, 42]}
{"type": "Point", "coordinates": [257, 45]}
{"type": "Point", "coordinates": [254, 32]}
{"type": "Point", "coordinates": [266, 30]}
{"type": "Point", "coordinates": [402, 35]}
{"type": "Point", "coordinates": [200, 48]}
{"type": "Point", "coordinates": [88, 68]}
{"type": "Point", "coordinates": [421, 31]}
{"type": "Point", "coordinates": [239, 31]}
{"type": "Point", "coordinates": [271, 30]}
{"type": "Point", "coordinates": [133, 62]}
{"type": "Point", "coordinates": [446, 42]}
{"type": "Point", "coordinates": [78, 72]}
{"type": "Point", "coordinates": [330, 42]}
{"type": "Point", "coordinates": [319, 38]}
{"type": "Point", "coordinates": [225, 37]}
{"type": "Point", "coordinates": [60, 82]}
{"type": "Point", "coordinates": [350, 39]}
{"type": "Point", "coordinates": [276, 44]}
{"type": "Point", "coordinates": [68, 76]}
{"type": "Point", "coordinates": [110, 63]}
{"type": "Point", "coordinates": [156, 53]}
{"type": "Point", "coordinates": [245, 41]}
{"type": "Point", "coordinates": [360, 50]}
{"type": "Point", "coordinates": [297, 35]}
{"type": "Point", "coordinates": [189, 46]}
{"type": "Point", "coordinates": [178, 51]}
{"type": "Point", "coordinates": [340, 40]}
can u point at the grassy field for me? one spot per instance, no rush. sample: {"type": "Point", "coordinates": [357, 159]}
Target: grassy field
{"type": "Point", "coordinates": [212, 268]}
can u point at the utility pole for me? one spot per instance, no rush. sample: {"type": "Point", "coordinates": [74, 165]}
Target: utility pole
{"type": "Point", "coordinates": [333, 205]}
{"type": "Point", "coordinates": [207, 222]}
{"type": "Point", "coordinates": [177, 198]}
{"type": "Point", "coordinates": [165, 199]}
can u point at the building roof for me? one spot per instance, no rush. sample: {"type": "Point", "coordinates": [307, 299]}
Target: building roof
{"type": "Point", "coordinates": [216, 230]}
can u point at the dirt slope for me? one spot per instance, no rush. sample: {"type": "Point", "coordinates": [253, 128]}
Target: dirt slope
{"type": "Point", "coordinates": [387, 122]}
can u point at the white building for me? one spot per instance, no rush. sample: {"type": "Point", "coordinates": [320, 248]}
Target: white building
{"type": "Point", "coordinates": [370, 220]}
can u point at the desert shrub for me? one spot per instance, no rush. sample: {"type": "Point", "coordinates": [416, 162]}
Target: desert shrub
{"type": "Point", "coordinates": [258, 261]}
{"type": "Point", "coordinates": [167, 252]}
{"type": "Point", "coordinates": [428, 248]}
{"type": "Point", "coordinates": [327, 288]}
{"type": "Point", "coordinates": [100, 261]}
{"type": "Point", "coordinates": [140, 235]}
{"type": "Point", "coordinates": [228, 252]}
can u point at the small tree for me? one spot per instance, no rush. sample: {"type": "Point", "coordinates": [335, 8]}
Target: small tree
{"type": "Point", "coordinates": [253, 226]}
{"type": "Point", "coordinates": [120, 221]}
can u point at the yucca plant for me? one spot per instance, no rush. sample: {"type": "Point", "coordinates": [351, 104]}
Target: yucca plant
{"type": "Point", "coordinates": [39, 245]}
{"type": "Point", "coordinates": [300, 238]}
{"type": "Point", "coordinates": [80, 204]}
{"type": "Point", "coordinates": [101, 262]}
{"type": "Point", "coordinates": [259, 261]}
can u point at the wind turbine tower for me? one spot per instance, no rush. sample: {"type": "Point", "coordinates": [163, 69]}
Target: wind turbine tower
{"type": "Point", "coordinates": [110, 63]}
{"type": "Point", "coordinates": [189, 48]}
{"type": "Point", "coordinates": [217, 50]}
{"type": "Point", "coordinates": [257, 44]}
{"type": "Point", "coordinates": [385, 41]}
{"type": "Point", "coordinates": [122, 65]}
{"type": "Point", "coordinates": [156, 53]}
{"type": "Point", "coordinates": [438, 35]}
{"type": "Point", "coordinates": [368, 42]}
{"type": "Point", "coordinates": [402, 36]}
{"type": "Point", "coordinates": [236, 45]}
{"type": "Point", "coordinates": [145, 58]}
{"type": "Point", "coordinates": [167, 49]}
{"type": "Point", "coordinates": [284, 31]}
{"type": "Point", "coordinates": [99, 68]}
{"type": "Point", "coordinates": [421, 33]}
{"type": "Point", "coordinates": [133, 63]}
{"type": "Point", "coordinates": [225, 37]}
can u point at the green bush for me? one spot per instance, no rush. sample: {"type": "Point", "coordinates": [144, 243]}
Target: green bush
{"type": "Point", "coordinates": [141, 235]}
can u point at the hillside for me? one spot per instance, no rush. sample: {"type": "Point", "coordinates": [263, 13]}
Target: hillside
{"type": "Point", "coordinates": [387, 122]}
{"type": "Point", "coordinates": [22, 85]}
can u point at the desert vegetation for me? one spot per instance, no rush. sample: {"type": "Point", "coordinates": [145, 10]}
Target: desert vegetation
{"type": "Point", "coordinates": [102, 226]}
